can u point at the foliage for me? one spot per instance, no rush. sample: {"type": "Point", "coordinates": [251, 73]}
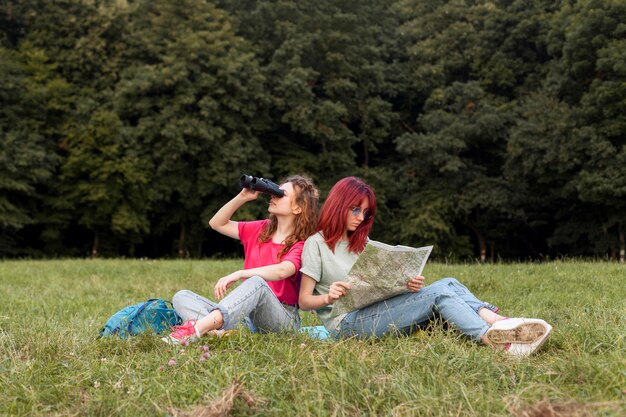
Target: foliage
{"type": "Point", "coordinates": [488, 128]}
{"type": "Point", "coordinates": [33, 99]}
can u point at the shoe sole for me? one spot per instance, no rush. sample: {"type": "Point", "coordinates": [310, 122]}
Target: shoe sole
{"type": "Point", "coordinates": [543, 339]}
{"type": "Point", "coordinates": [533, 346]}
{"type": "Point", "coordinates": [175, 342]}
{"type": "Point", "coordinates": [526, 333]}
{"type": "Point", "coordinates": [170, 341]}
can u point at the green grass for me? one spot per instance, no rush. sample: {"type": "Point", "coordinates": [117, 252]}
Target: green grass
{"type": "Point", "coordinates": [52, 364]}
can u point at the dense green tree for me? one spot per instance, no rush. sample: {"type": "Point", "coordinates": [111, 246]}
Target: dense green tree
{"type": "Point", "coordinates": [603, 107]}
{"type": "Point", "coordinates": [105, 179]}
{"type": "Point", "coordinates": [543, 157]}
{"type": "Point", "coordinates": [328, 67]}
{"type": "Point", "coordinates": [456, 166]}
{"type": "Point", "coordinates": [331, 73]}
{"type": "Point", "coordinates": [470, 62]}
{"type": "Point", "coordinates": [489, 128]}
{"type": "Point", "coordinates": [33, 102]}
{"type": "Point", "coordinates": [589, 40]}
{"type": "Point", "coordinates": [191, 94]}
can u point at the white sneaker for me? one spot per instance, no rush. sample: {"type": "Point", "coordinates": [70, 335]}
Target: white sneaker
{"type": "Point", "coordinates": [521, 336]}
{"type": "Point", "coordinates": [519, 349]}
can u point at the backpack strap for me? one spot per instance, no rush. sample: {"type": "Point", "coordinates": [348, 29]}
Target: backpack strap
{"type": "Point", "coordinates": [142, 308]}
{"type": "Point", "coordinates": [138, 312]}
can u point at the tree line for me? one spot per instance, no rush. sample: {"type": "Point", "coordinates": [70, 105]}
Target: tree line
{"type": "Point", "coordinates": [492, 129]}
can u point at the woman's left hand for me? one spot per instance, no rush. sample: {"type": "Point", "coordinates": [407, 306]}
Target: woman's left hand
{"type": "Point", "coordinates": [224, 283]}
{"type": "Point", "coordinates": [415, 284]}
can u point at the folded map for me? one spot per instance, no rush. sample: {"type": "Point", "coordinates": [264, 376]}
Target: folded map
{"type": "Point", "coordinates": [381, 272]}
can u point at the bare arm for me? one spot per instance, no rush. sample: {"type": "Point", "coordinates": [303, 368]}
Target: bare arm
{"type": "Point", "coordinates": [221, 221]}
{"type": "Point", "coordinates": [274, 272]}
{"type": "Point", "coordinates": [308, 301]}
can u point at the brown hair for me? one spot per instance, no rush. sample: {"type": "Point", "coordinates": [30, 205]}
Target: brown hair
{"type": "Point", "coordinates": [307, 196]}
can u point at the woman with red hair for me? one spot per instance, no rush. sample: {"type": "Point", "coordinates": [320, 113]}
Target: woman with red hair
{"type": "Point", "coordinates": [345, 223]}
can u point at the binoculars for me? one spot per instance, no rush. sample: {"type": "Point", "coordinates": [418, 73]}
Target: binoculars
{"type": "Point", "coordinates": [261, 185]}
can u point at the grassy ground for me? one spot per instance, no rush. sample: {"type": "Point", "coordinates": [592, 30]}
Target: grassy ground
{"type": "Point", "coordinates": [52, 364]}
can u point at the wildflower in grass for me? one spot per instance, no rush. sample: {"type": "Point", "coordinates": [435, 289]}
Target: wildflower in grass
{"type": "Point", "coordinates": [172, 362]}
{"type": "Point", "coordinates": [206, 355]}
{"type": "Point", "coordinates": [204, 348]}
{"type": "Point", "coordinates": [161, 368]}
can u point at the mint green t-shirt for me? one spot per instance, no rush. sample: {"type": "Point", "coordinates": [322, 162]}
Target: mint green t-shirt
{"type": "Point", "coordinates": [326, 267]}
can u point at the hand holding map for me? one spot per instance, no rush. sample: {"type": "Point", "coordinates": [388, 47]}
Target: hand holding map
{"type": "Point", "coordinates": [381, 272]}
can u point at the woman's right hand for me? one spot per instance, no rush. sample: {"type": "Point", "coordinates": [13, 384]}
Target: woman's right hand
{"type": "Point", "coordinates": [336, 291]}
{"type": "Point", "coordinates": [224, 283]}
{"type": "Point", "coordinates": [248, 195]}
{"type": "Point", "coordinates": [415, 284]}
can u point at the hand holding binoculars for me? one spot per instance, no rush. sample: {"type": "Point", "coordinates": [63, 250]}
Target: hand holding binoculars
{"type": "Point", "coordinates": [261, 185]}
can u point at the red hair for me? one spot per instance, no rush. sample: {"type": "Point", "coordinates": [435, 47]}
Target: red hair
{"type": "Point", "coordinates": [346, 194]}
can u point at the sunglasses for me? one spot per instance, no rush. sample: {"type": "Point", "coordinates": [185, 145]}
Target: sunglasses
{"type": "Point", "coordinates": [357, 210]}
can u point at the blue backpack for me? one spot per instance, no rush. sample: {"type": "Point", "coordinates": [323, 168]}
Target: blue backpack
{"type": "Point", "coordinates": [154, 314]}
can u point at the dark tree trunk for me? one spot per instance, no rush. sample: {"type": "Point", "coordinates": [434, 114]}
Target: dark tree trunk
{"type": "Point", "coordinates": [482, 243]}
{"type": "Point", "coordinates": [182, 251]}
{"type": "Point", "coordinates": [366, 154]}
{"type": "Point", "coordinates": [94, 247]}
{"type": "Point", "coordinates": [622, 246]}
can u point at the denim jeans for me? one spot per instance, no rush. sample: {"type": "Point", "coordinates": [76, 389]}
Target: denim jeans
{"type": "Point", "coordinates": [462, 291]}
{"type": "Point", "coordinates": [405, 313]}
{"type": "Point", "coordinates": [253, 302]}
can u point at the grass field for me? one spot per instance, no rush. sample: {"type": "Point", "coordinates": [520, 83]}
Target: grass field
{"type": "Point", "coordinates": [52, 364]}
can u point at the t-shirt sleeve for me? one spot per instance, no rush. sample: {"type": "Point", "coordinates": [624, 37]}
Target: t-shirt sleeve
{"type": "Point", "coordinates": [312, 259]}
{"type": "Point", "coordinates": [294, 255]}
{"type": "Point", "coordinates": [250, 231]}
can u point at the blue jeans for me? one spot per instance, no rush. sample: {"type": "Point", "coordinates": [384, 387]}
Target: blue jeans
{"type": "Point", "coordinates": [253, 303]}
{"type": "Point", "coordinates": [405, 313]}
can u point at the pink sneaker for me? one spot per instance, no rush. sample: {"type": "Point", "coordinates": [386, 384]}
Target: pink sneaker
{"type": "Point", "coordinates": [183, 334]}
